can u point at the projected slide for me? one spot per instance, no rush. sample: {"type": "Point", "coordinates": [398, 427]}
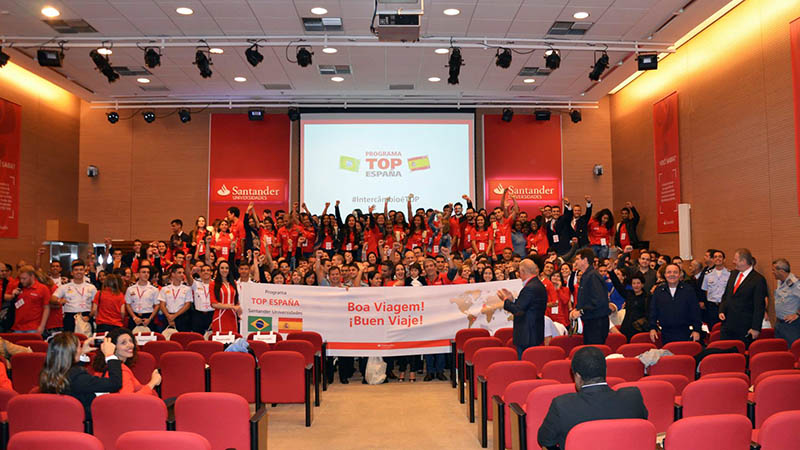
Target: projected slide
{"type": "Point", "coordinates": [360, 159]}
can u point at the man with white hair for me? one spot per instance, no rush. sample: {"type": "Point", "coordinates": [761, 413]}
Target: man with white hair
{"type": "Point", "coordinates": [787, 302]}
{"type": "Point", "coordinates": [528, 308]}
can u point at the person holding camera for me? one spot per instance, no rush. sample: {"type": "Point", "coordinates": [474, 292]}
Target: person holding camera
{"type": "Point", "coordinates": [127, 351]}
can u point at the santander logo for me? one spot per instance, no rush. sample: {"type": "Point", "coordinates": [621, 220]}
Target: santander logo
{"type": "Point", "coordinates": [526, 190]}
{"type": "Point", "coordinates": [499, 189]}
{"type": "Point", "coordinates": [223, 191]}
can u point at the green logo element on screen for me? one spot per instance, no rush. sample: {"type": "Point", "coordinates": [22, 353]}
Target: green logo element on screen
{"type": "Point", "coordinates": [259, 323]}
{"type": "Point", "coordinates": [348, 163]}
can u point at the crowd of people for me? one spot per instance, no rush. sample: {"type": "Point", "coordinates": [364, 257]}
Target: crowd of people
{"type": "Point", "coordinates": [192, 281]}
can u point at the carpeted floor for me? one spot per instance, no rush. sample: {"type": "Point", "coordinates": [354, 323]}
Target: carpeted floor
{"type": "Point", "coordinates": [388, 416]}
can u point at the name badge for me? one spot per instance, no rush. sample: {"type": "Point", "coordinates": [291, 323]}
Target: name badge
{"type": "Point", "coordinates": [348, 247]}
{"type": "Point", "coordinates": [435, 249]}
{"type": "Point", "coordinates": [554, 310]}
{"type": "Point", "coordinates": [268, 240]}
{"type": "Point", "coordinates": [502, 239]}
{"type": "Point", "coordinates": [19, 303]}
{"type": "Point", "coordinates": [555, 239]}
{"type": "Point", "coordinates": [603, 241]}
{"type": "Point", "coordinates": [622, 236]}
{"type": "Point", "coordinates": [328, 246]}
{"type": "Point", "coordinates": [481, 246]}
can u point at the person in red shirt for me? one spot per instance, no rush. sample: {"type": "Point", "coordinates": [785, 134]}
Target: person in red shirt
{"type": "Point", "coordinates": [601, 231]}
{"type": "Point", "coordinates": [481, 237]}
{"type": "Point", "coordinates": [349, 236]}
{"type": "Point", "coordinates": [127, 352]}
{"type": "Point", "coordinates": [308, 233]}
{"type": "Point", "coordinates": [558, 305]}
{"type": "Point", "coordinates": [224, 241]}
{"type": "Point", "coordinates": [108, 308]}
{"type": "Point", "coordinates": [197, 238]}
{"type": "Point", "coordinates": [237, 228]}
{"type": "Point", "coordinates": [55, 322]}
{"type": "Point", "coordinates": [504, 221]}
{"type": "Point", "coordinates": [32, 302]}
{"type": "Point", "coordinates": [224, 300]}
{"type": "Point", "coordinates": [537, 242]}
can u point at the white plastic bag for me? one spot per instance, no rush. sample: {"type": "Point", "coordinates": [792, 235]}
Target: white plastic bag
{"type": "Point", "coordinates": [376, 370]}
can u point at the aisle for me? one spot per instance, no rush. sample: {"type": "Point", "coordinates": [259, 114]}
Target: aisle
{"type": "Point", "coordinates": [388, 416]}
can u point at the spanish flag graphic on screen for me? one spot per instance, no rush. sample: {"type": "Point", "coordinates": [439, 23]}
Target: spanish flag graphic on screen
{"type": "Point", "coordinates": [290, 323]}
{"type": "Point", "coordinates": [419, 163]}
{"type": "Point", "coordinates": [260, 323]}
{"type": "Point", "coordinates": [348, 163]}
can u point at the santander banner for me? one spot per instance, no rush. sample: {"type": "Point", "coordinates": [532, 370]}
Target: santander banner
{"type": "Point", "coordinates": [232, 190]}
{"type": "Point", "coordinates": [526, 190]}
{"type": "Point", "coordinates": [10, 126]}
{"type": "Point", "coordinates": [668, 167]}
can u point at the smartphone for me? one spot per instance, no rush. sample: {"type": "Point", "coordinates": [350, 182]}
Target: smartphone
{"type": "Point", "coordinates": [97, 342]}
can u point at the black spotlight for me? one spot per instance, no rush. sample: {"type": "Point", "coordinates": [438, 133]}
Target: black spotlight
{"type": "Point", "coordinates": [255, 114]}
{"type": "Point", "coordinates": [4, 57]}
{"type": "Point", "coordinates": [542, 114]}
{"type": "Point", "coordinates": [294, 114]}
{"type": "Point", "coordinates": [112, 117]}
{"type": "Point", "coordinates": [647, 61]}
{"type": "Point", "coordinates": [575, 115]}
{"type": "Point", "coordinates": [599, 67]}
{"type": "Point", "coordinates": [553, 60]}
{"type": "Point", "coordinates": [303, 57]}
{"type": "Point", "coordinates": [149, 116]}
{"type": "Point", "coordinates": [203, 63]}
{"type": "Point", "coordinates": [253, 55]}
{"type": "Point", "coordinates": [508, 114]}
{"type": "Point", "coordinates": [104, 66]}
{"type": "Point", "coordinates": [455, 64]}
{"type": "Point", "coordinates": [49, 58]}
{"type": "Point", "coordinates": [185, 115]}
{"type": "Point", "coordinates": [503, 58]}
{"type": "Point", "coordinates": [152, 58]}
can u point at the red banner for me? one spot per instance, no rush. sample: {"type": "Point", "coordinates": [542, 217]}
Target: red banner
{"type": "Point", "coordinates": [668, 169]}
{"type": "Point", "coordinates": [795, 38]}
{"type": "Point", "coordinates": [525, 156]}
{"type": "Point", "coordinates": [249, 161]}
{"type": "Point", "coordinates": [10, 129]}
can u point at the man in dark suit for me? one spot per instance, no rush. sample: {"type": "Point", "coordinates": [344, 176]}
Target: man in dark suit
{"type": "Point", "coordinates": [742, 307]}
{"type": "Point", "coordinates": [528, 308]}
{"type": "Point", "coordinates": [674, 307]}
{"type": "Point", "coordinates": [592, 303]}
{"type": "Point", "coordinates": [594, 400]}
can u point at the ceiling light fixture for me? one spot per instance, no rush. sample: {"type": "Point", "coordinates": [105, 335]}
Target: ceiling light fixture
{"type": "Point", "coordinates": [185, 115]}
{"type": "Point", "coordinates": [451, 12]}
{"type": "Point", "coordinates": [434, 79]}
{"type": "Point", "coordinates": [329, 50]}
{"type": "Point", "coordinates": [294, 114]}
{"type": "Point", "coordinates": [442, 51]}
{"type": "Point", "coordinates": [304, 57]}
{"type": "Point", "coordinates": [503, 59]}
{"type": "Point", "coordinates": [600, 65]}
{"type": "Point", "coordinates": [508, 114]}
{"type": "Point", "coordinates": [580, 15]}
{"type": "Point", "coordinates": [239, 79]}
{"type": "Point", "coordinates": [4, 57]}
{"type": "Point", "coordinates": [203, 63]}
{"type": "Point", "coordinates": [143, 80]}
{"type": "Point", "coordinates": [552, 60]}
{"type": "Point", "coordinates": [113, 117]}
{"type": "Point", "coordinates": [49, 11]}
{"type": "Point", "coordinates": [253, 56]}
{"type": "Point", "coordinates": [104, 51]}
{"type": "Point", "coordinates": [149, 116]}
{"type": "Point", "coordinates": [542, 114]}
{"type": "Point", "coordinates": [319, 11]}
{"type": "Point", "coordinates": [528, 80]}
{"type": "Point", "coordinates": [455, 63]}
{"type": "Point", "coordinates": [255, 114]}
{"type": "Point", "coordinates": [337, 79]}
{"type": "Point", "coordinates": [647, 61]}
{"type": "Point", "coordinates": [104, 66]}
{"type": "Point", "coordinates": [184, 11]}
{"type": "Point", "coordinates": [152, 58]}
{"type": "Point", "coordinates": [216, 51]}
{"type": "Point", "coordinates": [50, 57]}
{"type": "Point", "coordinates": [575, 115]}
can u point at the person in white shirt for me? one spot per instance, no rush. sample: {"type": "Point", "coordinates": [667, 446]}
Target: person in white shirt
{"type": "Point", "coordinates": [714, 283]}
{"type": "Point", "coordinates": [141, 300]}
{"type": "Point", "coordinates": [175, 299]}
{"type": "Point", "coordinates": [75, 297]}
{"type": "Point", "coordinates": [244, 275]}
{"type": "Point", "coordinates": [202, 313]}
{"type": "Point", "coordinates": [55, 272]}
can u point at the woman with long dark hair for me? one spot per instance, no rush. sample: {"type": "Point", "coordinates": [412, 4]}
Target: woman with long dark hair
{"type": "Point", "coordinates": [127, 351]}
{"type": "Point", "coordinates": [601, 232]}
{"type": "Point", "coordinates": [198, 238]}
{"type": "Point", "coordinates": [482, 241]}
{"type": "Point", "coordinates": [224, 300]}
{"type": "Point", "coordinates": [108, 307]}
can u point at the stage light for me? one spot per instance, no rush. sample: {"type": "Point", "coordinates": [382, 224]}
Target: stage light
{"type": "Point", "coordinates": [455, 64]}
{"type": "Point", "coordinates": [294, 114]}
{"type": "Point", "coordinates": [542, 114]}
{"type": "Point", "coordinates": [503, 58]}
{"type": "Point", "coordinates": [255, 114]}
{"type": "Point", "coordinates": [575, 115]}
{"type": "Point", "coordinates": [104, 66]}
{"type": "Point", "coordinates": [303, 57]}
{"type": "Point", "coordinates": [149, 116]}
{"type": "Point", "coordinates": [647, 61]}
{"type": "Point", "coordinates": [152, 58]}
{"type": "Point", "coordinates": [253, 55]}
{"type": "Point", "coordinates": [104, 51]}
{"type": "Point", "coordinates": [552, 60]}
{"type": "Point", "coordinates": [203, 63]}
{"type": "Point", "coordinates": [49, 58]}
{"type": "Point", "coordinates": [599, 67]}
{"type": "Point", "coordinates": [508, 114]}
{"type": "Point", "coordinates": [184, 115]}
{"type": "Point", "coordinates": [112, 117]}
{"type": "Point", "coordinates": [4, 57]}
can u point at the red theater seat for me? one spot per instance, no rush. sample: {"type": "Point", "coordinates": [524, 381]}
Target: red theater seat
{"type": "Point", "coordinates": [724, 362]}
{"type": "Point", "coordinates": [779, 432]}
{"type": "Point", "coordinates": [25, 371]}
{"type": "Point", "coordinates": [144, 366]}
{"type": "Point", "coordinates": [44, 412]}
{"type": "Point", "coordinates": [614, 341]}
{"type": "Point", "coordinates": [542, 355]}
{"type": "Point", "coordinates": [715, 432]}
{"type": "Point", "coordinates": [603, 348]}
{"type": "Point", "coordinates": [634, 350]}
{"type": "Point", "coordinates": [725, 344]}
{"type": "Point", "coordinates": [515, 392]}
{"type": "Point", "coordinates": [567, 343]}
{"type": "Point", "coordinates": [767, 361]}
{"type": "Point", "coordinates": [286, 378]}
{"type": "Point", "coordinates": [504, 334]}
{"type": "Point", "coordinates": [115, 414]}
{"type": "Point", "coordinates": [498, 376]}
{"type": "Point", "coordinates": [658, 399]}
{"type": "Point", "coordinates": [184, 337]}
{"type": "Point", "coordinates": [481, 361]}
{"type": "Point", "coordinates": [232, 425]}
{"type": "Point", "coordinates": [688, 348]}
{"type": "Point", "coordinates": [631, 369]}
{"type": "Point", "coordinates": [715, 396]}
{"type": "Point", "coordinates": [206, 348]}
{"type": "Point", "coordinates": [162, 440]}
{"type": "Point", "coordinates": [675, 365]}
{"type": "Point", "coordinates": [49, 440]}
{"type": "Point", "coordinates": [234, 372]}
{"type": "Point", "coordinates": [182, 372]}
{"type": "Point", "coordinates": [560, 371]}
{"type": "Point", "coordinates": [620, 434]}
{"type": "Point", "coordinates": [775, 394]}
{"type": "Point", "coordinates": [158, 348]}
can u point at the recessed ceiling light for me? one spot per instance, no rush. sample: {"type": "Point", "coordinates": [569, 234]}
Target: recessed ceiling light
{"type": "Point", "coordinates": [581, 15]}
{"type": "Point", "coordinates": [239, 79]}
{"type": "Point", "coordinates": [143, 80]}
{"type": "Point", "coordinates": [337, 79]}
{"type": "Point", "coordinates": [49, 11]}
{"type": "Point", "coordinates": [319, 11]}
{"type": "Point", "coordinates": [104, 51]}
{"type": "Point", "coordinates": [329, 50]}
{"type": "Point", "coordinates": [217, 51]}
{"type": "Point", "coordinates": [434, 79]}
{"type": "Point", "coordinates": [184, 11]}
{"type": "Point", "coordinates": [528, 80]}
{"type": "Point", "coordinates": [451, 12]}
{"type": "Point", "coordinates": [442, 51]}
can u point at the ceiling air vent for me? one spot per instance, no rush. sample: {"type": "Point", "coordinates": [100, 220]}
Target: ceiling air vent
{"type": "Point", "coordinates": [316, 24]}
{"type": "Point", "coordinates": [327, 69]}
{"type": "Point", "coordinates": [522, 88]}
{"type": "Point", "coordinates": [135, 71]}
{"type": "Point", "coordinates": [569, 28]}
{"type": "Point", "coordinates": [401, 87]}
{"type": "Point", "coordinates": [70, 26]}
{"type": "Point", "coordinates": [277, 87]}
{"type": "Point", "coordinates": [154, 88]}
{"type": "Point", "coordinates": [534, 72]}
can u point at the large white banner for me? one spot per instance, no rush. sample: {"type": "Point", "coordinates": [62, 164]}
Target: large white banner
{"type": "Point", "coordinates": [376, 321]}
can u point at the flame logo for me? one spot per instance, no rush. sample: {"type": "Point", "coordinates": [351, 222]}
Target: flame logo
{"type": "Point", "coordinates": [499, 189]}
{"type": "Point", "coordinates": [223, 191]}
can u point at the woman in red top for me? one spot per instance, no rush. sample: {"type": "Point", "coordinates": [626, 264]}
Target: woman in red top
{"type": "Point", "coordinates": [482, 240]}
{"type": "Point", "coordinates": [126, 351]}
{"type": "Point", "coordinates": [536, 242]}
{"type": "Point", "coordinates": [223, 240]}
{"type": "Point", "coordinates": [224, 300]}
{"type": "Point", "coordinates": [269, 241]}
{"type": "Point", "coordinates": [559, 311]}
{"type": "Point", "coordinates": [417, 234]}
{"type": "Point", "coordinates": [198, 237]}
{"type": "Point", "coordinates": [601, 231]}
{"type": "Point", "coordinates": [108, 307]}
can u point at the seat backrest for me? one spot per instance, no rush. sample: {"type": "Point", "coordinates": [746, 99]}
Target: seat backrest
{"type": "Point", "coordinates": [144, 366]}
{"type": "Point", "coordinates": [36, 346]}
{"type": "Point", "coordinates": [644, 338]}
{"type": "Point", "coordinates": [17, 337]}
{"type": "Point", "coordinates": [678, 382]}
{"type": "Point", "coordinates": [48, 440]}
{"type": "Point", "coordinates": [472, 345]}
{"type": "Point", "coordinates": [25, 371]}
{"type": "Point", "coordinates": [615, 340]}
{"type": "Point", "coordinates": [717, 327]}
{"type": "Point", "coordinates": [766, 361]}
{"type": "Point", "coordinates": [559, 370]}
{"type": "Point", "coordinates": [282, 377]}
{"type": "Point", "coordinates": [659, 397]}
{"type": "Point", "coordinates": [205, 348]}
{"type": "Point", "coordinates": [740, 375]}
{"type": "Point", "coordinates": [714, 336]}
{"type": "Point", "coordinates": [536, 406]}
{"type": "Point", "coordinates": [466, 333]}
{"type": "Point", "coordinates": [603, 348]}
{"type": "Point", "coordinates": [542, 355]}
{"type": "Point", "coordinates": [689, 348]}
{"type": "Point", "coordinates": [620, 434]}
{"type": "Point", "coordinates": [728, 343]}
{"type": "Point", "coordinates": [234, 372]}
{"type": "Point", "coordinates": [305, 348]}
{"type": "Point", "coordinates": [182, 372]}
{"type": "Point", "coordinates": [44, 412]}
{"type": "Point", "coordinates": [715, 396]}
{"type": "Point", "coordinates": [485, 357]}
{"type": "Point", "coordinates": [258, 347]}
{"type": "Point", "coordinates": [501, 374]}
{"type": "Point", "coordinates": [115, 414]}
{"type": "Point", "coordinates": [767, 333]}
{"type": "Point", "coordinates": [723, 362]}
{"type": "Point", "coordinates": [517, 392]}
{"type": "Point", "coordinates": [230, 413]}
{"type": "Point", "coordinates": [779, 431]}
{"type": "Point", "coordinates": [634, 350]}
{"type": "Point", "coordinates": [767, 345]}
{"type": "Point", "coordinates": [795, 349]}
{"type": "Point", "coordinates": [775, 394]}
{"type": "Point", "coordinates": [504, 334]}
{"type": "Point", "coordinates": [310, 336]}
{"type": "Point", "coordinates": [715, 432]}
{"type": "Point", "coordinates": [631, 369]}
{"type": "Point", "coordinates": [184, 337]}
{"type": "Point", "coordinates": [763, 376]}
{"type": "Point", "coordinates": [675, 365]}
{"type": "Point", "coordinates": [613, 381]}
{"type": "Point", "coordinates": [162, 440]}
{"type": "Point", "coordinates": [158, 348]}
{"type": "Point", "coordinates": [567, 343]}
{"type": "Point", "coordinates": [5, 396]}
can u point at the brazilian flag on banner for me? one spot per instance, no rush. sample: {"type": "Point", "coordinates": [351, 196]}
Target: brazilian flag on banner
{"type": "Point", "coordinates": [348, 163]}
{"type": "Point", "coordinates": [260, 323]}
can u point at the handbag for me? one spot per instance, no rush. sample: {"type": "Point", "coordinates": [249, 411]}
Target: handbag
{"type": "Point", "coordinates": [81, 326]}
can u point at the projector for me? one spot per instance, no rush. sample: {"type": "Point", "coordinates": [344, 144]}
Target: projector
{"type": "Point", "coordinates": [399, 20]}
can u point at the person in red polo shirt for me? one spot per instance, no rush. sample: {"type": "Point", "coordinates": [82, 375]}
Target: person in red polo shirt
{"type": "Point", "coordinates": [32, 302]}
{"type": "Point", "coordinates": [504, 221]}
{"type": "Point", "coordinates": [237, 228]}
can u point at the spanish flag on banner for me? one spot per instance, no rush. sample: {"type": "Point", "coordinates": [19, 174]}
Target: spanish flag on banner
{"type": "Point", "coordinates": [290, 323]}
{"type": "Point", "coordinates": [260, 323]}
{"type": "Point", "coordinates": [348, 163]}
{"type": "Point", "coordinates": [419, 163]}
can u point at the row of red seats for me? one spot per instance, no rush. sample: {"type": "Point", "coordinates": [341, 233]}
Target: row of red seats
{"type": "Point", "coordinates": [131, 440]}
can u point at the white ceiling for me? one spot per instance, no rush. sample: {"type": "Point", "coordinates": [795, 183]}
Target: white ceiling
{"type": "Point", "coordinates": [374, 68]}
